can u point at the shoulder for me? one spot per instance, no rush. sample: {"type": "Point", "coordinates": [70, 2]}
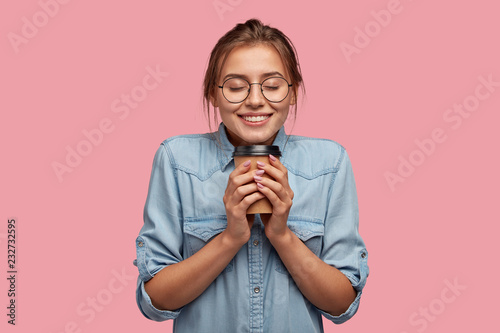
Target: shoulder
{"type": "Point", "coordinates": [311, 157]}
{"type": "Point", "coordinates": [193, 142]}
{"type": "Point", "coordinates": [192, 153]}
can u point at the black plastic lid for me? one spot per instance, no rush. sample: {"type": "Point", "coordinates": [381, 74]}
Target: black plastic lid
{"type": "Point", "coordinates": [257, 150]}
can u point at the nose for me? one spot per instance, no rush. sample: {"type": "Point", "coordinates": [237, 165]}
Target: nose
{"type": "Point", "coordinates": [255, 98]}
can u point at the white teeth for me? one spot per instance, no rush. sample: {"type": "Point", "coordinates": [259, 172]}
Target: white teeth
{"type": "Point", "coordinates": [254, 119]}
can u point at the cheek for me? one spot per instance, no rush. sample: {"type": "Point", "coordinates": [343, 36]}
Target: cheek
{"type": "Point", "coordinates": [283, 111]}
{"type": "Point", "coordinates": [227, 108]}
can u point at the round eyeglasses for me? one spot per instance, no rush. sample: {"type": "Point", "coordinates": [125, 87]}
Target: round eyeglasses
{"type": "Point", "coordinates": [275, 89]}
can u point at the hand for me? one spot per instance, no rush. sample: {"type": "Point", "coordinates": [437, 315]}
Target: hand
{"type": "Point", "coordinates": [280, 195]}
{"type": "Point", "coordinates": [241, 192]}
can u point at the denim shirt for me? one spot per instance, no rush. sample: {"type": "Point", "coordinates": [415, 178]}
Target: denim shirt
{"type": "Point", "coordinates": [254, 293]}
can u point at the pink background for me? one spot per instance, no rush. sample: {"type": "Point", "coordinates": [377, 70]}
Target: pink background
{"type": "Point", "coordinates": [435, 228]}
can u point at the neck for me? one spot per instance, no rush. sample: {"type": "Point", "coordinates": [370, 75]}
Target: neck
{"type": "Point", "coordinates": [236, 141]}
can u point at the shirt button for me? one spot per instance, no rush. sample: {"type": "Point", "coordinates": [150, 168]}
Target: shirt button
{"type": "Point", "coordinates": [140, 244]}
{"type": "Point", "coordinates": [255, 242]}
{"type": "Point", "coordinates": [256, 290]}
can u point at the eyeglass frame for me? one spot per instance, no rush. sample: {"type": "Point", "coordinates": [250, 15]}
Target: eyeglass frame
{"type": "Point", "coordinates": [261, 90]}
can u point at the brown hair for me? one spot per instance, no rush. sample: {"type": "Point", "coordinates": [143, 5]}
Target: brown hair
{"type": "Point", "coordinates": [250, 33]}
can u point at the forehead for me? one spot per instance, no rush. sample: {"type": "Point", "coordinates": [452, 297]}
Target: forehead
{"type": "Point", "coordinates": [253, 61]}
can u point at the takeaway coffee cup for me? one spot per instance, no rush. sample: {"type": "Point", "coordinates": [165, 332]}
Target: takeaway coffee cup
{"type": "Point", "coordinates": [256, 153]}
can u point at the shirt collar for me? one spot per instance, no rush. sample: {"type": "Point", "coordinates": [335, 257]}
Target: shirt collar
{"type": "Point", "coordinates": [225, 155]}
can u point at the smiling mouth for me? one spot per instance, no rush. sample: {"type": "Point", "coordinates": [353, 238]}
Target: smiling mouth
{"type": "Point", "coordinates": [255, 119]}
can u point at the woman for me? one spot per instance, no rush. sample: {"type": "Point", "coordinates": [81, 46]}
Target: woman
{"type": "Point", "coordinates": [210, 266]}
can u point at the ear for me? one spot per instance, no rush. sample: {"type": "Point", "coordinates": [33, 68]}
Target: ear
{"type": "Point", "coordinates": [213, 100]}
{"type": "Point", "coordinates": [293, 98]}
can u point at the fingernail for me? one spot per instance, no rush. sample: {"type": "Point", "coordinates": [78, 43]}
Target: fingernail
{"type": "Point", "coordinates": [257, 178]}
{"type": "Point", "coordinates": [272, 158]}
{"type": "Point", "coordinates": [259, 185]}
{"type": "Point", "coordinates": [259, 163]}
{"type": "Point", "coordinates": [247, 163]}
{"type": "Point", "coordinates": [259, 172]}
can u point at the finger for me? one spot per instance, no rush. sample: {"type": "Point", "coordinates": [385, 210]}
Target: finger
{"type": "Point", "coordinates": [241, 192]}
{"type": "Point", "coordinates": [237, 205]}
{"type": "Point", "coordinates": [250, 199]}
{"type": "Point", "coordinates": [245, 178]}
{"type": "Point", "coordinates": [279, 207]}
{"type": "Point", "coordinates": [239, 176]}
{"type": "Point", "coordinates": [277, 163]}
{"type": "Point", "coordinates": [274, 186]}
{"type": "Point", "coordinates": [242, 168]}
{"type": "Point", "coordinates": [276, 173]}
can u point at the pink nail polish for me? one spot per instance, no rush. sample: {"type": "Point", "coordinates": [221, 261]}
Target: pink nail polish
{"type": "Point", "coordinates": [259, 185]}
{"type": "Point", "coordinates": [272, 158]}
{"type": "Point", "coordinates": [257, 178]}
{"type": "Point", "coordinates": [247, 163]}
{"type": "Point", "coordinates": [259, 172]}
{"type": "Point", "coordinates": [259, 163]}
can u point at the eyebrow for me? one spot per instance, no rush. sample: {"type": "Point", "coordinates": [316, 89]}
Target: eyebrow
{"type": "Point", "coordinates": [268, 74]}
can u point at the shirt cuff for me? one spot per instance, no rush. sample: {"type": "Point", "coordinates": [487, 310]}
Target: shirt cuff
{"type": "Point", "coordinates": [351, 311]}
{"type": "Point", "coordinates": [147, 308]}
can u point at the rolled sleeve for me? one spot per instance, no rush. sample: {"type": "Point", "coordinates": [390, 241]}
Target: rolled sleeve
{"type": "Point", "coordinates": [351, 311]}
{"type": "Point", "coordinates": [159, 243]}
{"type": "Point", "coordinates": [148, 309]}
{"type": "Point", "coordinates": [343, 247]}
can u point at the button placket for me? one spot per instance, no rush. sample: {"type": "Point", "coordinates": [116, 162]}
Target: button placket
{"type": "Point", "coordinates": [255, 270]}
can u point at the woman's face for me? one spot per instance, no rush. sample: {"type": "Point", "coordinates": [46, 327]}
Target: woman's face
{"type": "Point", "coordinates": [243, 120]}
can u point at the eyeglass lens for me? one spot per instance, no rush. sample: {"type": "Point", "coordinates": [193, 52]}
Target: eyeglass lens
{"type": "Point", "coordinates": [274, 89]}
